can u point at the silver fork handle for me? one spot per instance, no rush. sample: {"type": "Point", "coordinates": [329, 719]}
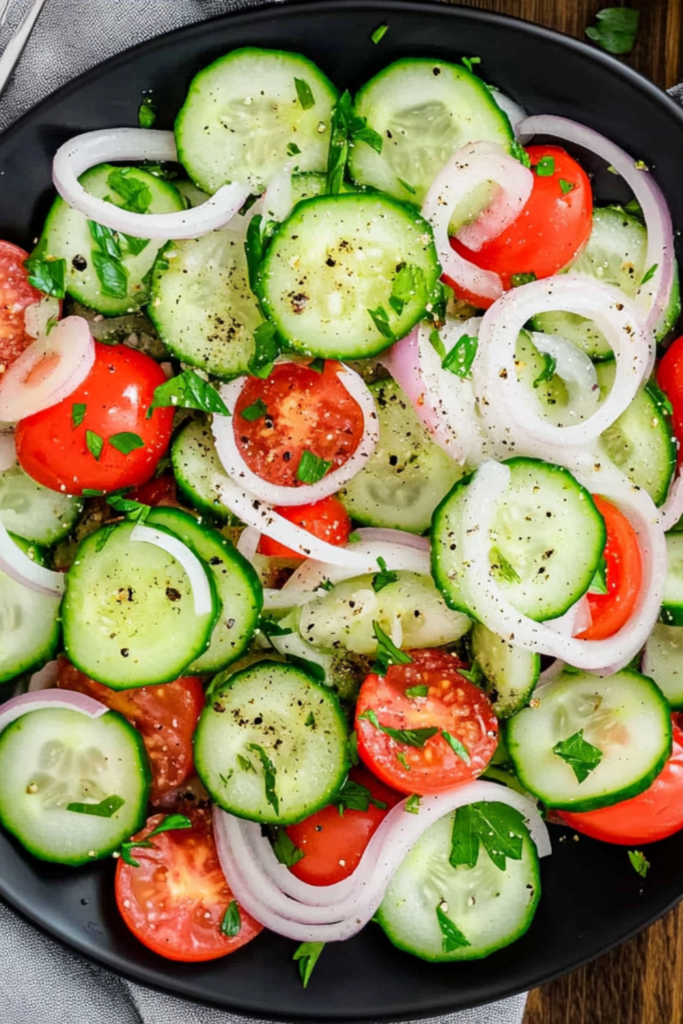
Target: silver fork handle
{"type": "Point", "coordinates": [15, 47]}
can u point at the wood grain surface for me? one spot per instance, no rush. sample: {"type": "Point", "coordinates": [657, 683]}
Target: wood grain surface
{"type": "Point", "coordinates": [642, 981]}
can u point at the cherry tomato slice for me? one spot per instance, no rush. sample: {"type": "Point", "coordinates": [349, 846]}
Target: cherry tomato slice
{"type": "Point", "coordinates": [302, 409]}
{"type": "Point", "coordinates": [166, 716]}
{"type": "Point", "coordinates": [15, 295]}
{"type": "Point", "coordinates": [646, 818]}
{"type": "Point", "coordinates": [160, 491]}
{"type": "Point", "coordinates": [623, 575]}
{"type": "Point", "coordinates": [333, 843]}
{"type": "Point", "coordinates": [175, 901]}
{"type": "Point", "coordinates": [327, 520]}
{"type": "Point", "coordinates": [452, 705]}
{"type": "Point", "coordinates": [549, 233]}
{"type": "Point", "coordinates": [670, 380]}
{"type": "Point", "coordinates": [116, 394]}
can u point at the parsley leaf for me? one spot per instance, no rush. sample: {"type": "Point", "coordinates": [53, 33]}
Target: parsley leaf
{"type": "Point", "coordinates": [453, 938]}
{"type": "Point", "coordinates": [255, 247]}
{"type": "Point", "coordinates": [311, 468]}
{"type": "Point", "coordinates": [417, 691]}
{"type": "Point", "coordinates": [408, 737]}
{"type": "Point", "coordinates": [580, 755]}
{"type": "Point", "coordinates": [383, 578]}
{"type": "Point", "coordinates": [526, 277]}
{"type": "Point", "coordinates": [271, 627]}
{"type": "Point", "coordinates": [615, 30]}
{"type": "Point", "coordinates": [460, 358]}
{"type": "Point", "coordinates": [286, 850]}
{"type": "Point", "coordinates": [304, 93]}
{"type": "Point", "coordinates": [379, 33]}
{"type": "Point", "coordinates": [407, 187]}
{"type": "Point", "coordinates": [499, 828]}
{"type": "Point", "coordinates": [639, 862]}
{"type": "Point", "coordinates": [103, 535]}
{"type": "Point", "coordinates": [312, 668]}
{"type": "Point", "coordinates": [412, 805]}
{"type": "Point", "coordinates": [548, 371]}
{"type": "Point", "coordinates": [256, 411]}
{"type": "Point", "coordinates": [268, 348]}
{"type": "Point", "coordinates": [468, 62]}
{"type": "Point", "coordinates": [126, 442]}
{"type": "Point", "coordinates": [78, 410]}
{"type": "Point", "coordinates": [355, 797]}
{"type": "Point", "coordinates": [353, 749]}
{"type": "Point", "coordinates": [401, 758]}
{"type": "Point", "coordinates": [649, 274]}
{"type": "Point", "coordinates": [106, 239]}
{"type": "Point", "coordinates": [474, 674]}
{"type": "Point", "coordinates": [147, 112]}
{"type": "Point", "coordinates": [566, 186]}
{"type": "Point", "coordinates": [188, 391]}
{"type": "Point", "coordinates": [169, 824]}
{"type": "Point", "coordinates": [502, 568]}
{"type": "Point", "coordinates": [245, 764]}
{"type": "Point", "coordinates": [293, 149]}
{"type": "Point", "coordinates": [407, 283]}
{"type": "Point", "coordinates": [308, 955]}
{"type": "Point", "coordinates": [387, 652]}
{"type": "Point", "coordinates": [104, 809]}
{"type": "Point", "coordinates": [347, 128]}
{"type": "Point", "coordinates": [380, 319]}
{"type": "Point", "coordinates": [111, 274]}
{"type": "Point", "coordinates": [634, 208]}
{"type": "Point", "coordinates": [599, 581]}
{"type": "Point", "coordinates": [457, 747]}
{"type": "Point", "coordinates": [47, 276]}
{"type": "Point", "coordinates": [136, 195]}
{"type": "Point", "coordinates": [232, 922]}
{"type": "Point", "coordinates": [135, 511]}
{"type": "Point", "coordinates": [518, 151]}
{"type": "Point", "coordinates": [437, 344]}
{"type": "Point", "coordinates": [545, 166]}
{"type": "Point", "coordinates": [355, 537]}
{"type": "Point", "coordinates": [269, 773]}
{"type": "Point", "coordinates": [94, 443]}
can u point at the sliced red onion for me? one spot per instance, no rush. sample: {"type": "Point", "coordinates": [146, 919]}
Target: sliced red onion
{"type": "Point", "coordinates": [278, 494]}
{"type": "Point", "coordinates": [398, 555]}
{"type": "Point", "coordinates": [45, 679]}
{"type": "Point", "coordinates": [554, 669]}
{"type": "Point", "coordinates": [672, 509]}
{"type": "Point", "coordinates": [578, 373]}
{"type": "Point", "coordinates": [16, 564]}
{"type": "Point", "coordinates": [248, 543]}
{"type": "Point", "coordinates": [653, 296]}
{"type": "Point", "coordinates": [474, 164]}
{"type": "Point", "coordinates": [48, 699]}
{"type": "Point", "coordinates": [332, 913]}
{"type": "Point", "coordinates": [574, 621]}
{"type": "Point", "coordinates": [382, 535]}
{"type": "Point", "coordinates": [38, 315]}
{"type": "Point", "coordinates": [278, 197]}
{"type": "Point", "coordinates": [138, 144]}
{"type": "Point", "coordinates": [8, 451]}
{"type": "Point", "coordinates": [509, 407]}
{"type": "Point", "coordinates": [490, 604]}
{"type": "Point", "coordinates": [48, 371]}
{"type": "Point", "coordinates": [515, 113]}
{"type": "Point", "coordinates": [201, 590]}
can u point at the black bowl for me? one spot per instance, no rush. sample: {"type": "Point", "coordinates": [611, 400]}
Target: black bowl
{"type": "Point", "coordinates": [592, 898]}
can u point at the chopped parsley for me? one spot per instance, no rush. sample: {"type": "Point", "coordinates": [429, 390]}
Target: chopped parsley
{"type": "Point", "coordinates": [232, 922]}
{"type": "Point", "coordinates": [417, 691]}
{"type": "Point", "coordinates": [379, 33]}
{"type": "Point", "coordinates": [453, 938]}
{"type": "Point", "coordinates": [502, 568]}
{"type": "Point", "coordinates": [188, 391]}
{"type": "Point", "coordinates": [311, 468]}
{"type": "Point", "coordinates": [649, 274]}
{"type": "Point", "coordinates": [268, 346]}
{"type": "Point", "coordinates": [285, 849]}
{"type": "Point", "coordinates": [380, 319]}
{"type": "Point", "coordinates": [94, 444]}
{"type": "Point", "coordinates": [347, 129]}
{"type": "Point", "coordinates": [408, 282]}
{"type": "Point", "coordinates": [269, 775]}
{"type": "Point", "coordinates": [111, 274]}
{"type": "Point", "coordinates": [304, 93]}
{"type": "Point", "coordinates": [256, 411]}
{"type": "Point", "coordinates": [106, 808]}
{"type": "Point", "coordinates": [136, 195]}
{"type": "Point", "coordinates": [460, 358]}
{"type": "Point", "coordinates": [469, 62]}
{"type": "Point", "coordinates": [355, 797]}
{"type": "Point", "coordinates": [457, 747]}
{"type": "Point", "coordinates": [545, 166]}
{"type": "Point", "coordinates": [293, 149]}
{"type": "Point", "coordinates": [499, 828]}
{"type": "Point", "coordinates": [126, 442]}
{"type": "Point", "coordinates": [47, 275]}
{"type": "Point", "coordinates": [407, 187]}
{"type": "Point", "coordinates": [615, 29]}
{"type": "Point", "coordinates": [412, 805]}
{"type": "Point", "coordinates": [580, 755]}
{"type": "Point", "coordinates": [78, 411]}
{"type": "Point", "coordinates": [312, 668]}
{"type": "Point", "coordinates": [526, 277]}
{"type": "Point", "coordinates": [519, 153]}
{"type": "Point", "coordinates": [383, 578]}
{"type": "Point", "coordinates": [401, 758]}
{"type": "Point", "coordinates": [169, 824]}
{"type": "Point", "coordinates": [135, 511]}
{"type": "Point", "coordinates": [308, 955]}
{"type": "Point", "coordinates": [408, 737]}
{"type": "Point", "coordinates": [639, 862]}
{"type": "Point", "coordinates": [147, 112]}
{"type": "Point", "coordinates": [387, 652]}
{"type": "Point", "coordinates": [566, 186]}
{"type": "Point", "coordinates": [548, 371]}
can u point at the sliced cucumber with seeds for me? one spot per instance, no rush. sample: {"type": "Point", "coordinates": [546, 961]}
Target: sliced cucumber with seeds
{"type": "Point", "coordinates": [34, 512]}
{"type": "Point", "coordinates": [329, 277]}
{"type": "Point", "coordinates": [309, 184]}
{"type": "Point", "coordinates": [411, 611]}
{"type": "Point", "coordinates": [615, 734]}
{"type": "Point", "coordinates": [66, 235]}
{"type": "Point", "coordinates": [29, 622]}
{"type": "Point", "coordinates": [129, 613]}
{"type": "Point", "coordinates": [533, 554]}
{"type": "Point", "coordinates": [511, 673]}
{"type": "Point", "coordinates": [489, 907]}
{"type": "Point", "coordinates": [641, 442]}
{"type": "Point", "coordinates": [672, 605]}
{"type": "Point", "coordinates": [615, 254]}
{"type": "Point", "coordinates": [407, 475]}
{"type": "Point", "coordinates": [201, 303]}
{"type": "Point", "coordinates": [55, 759]}
{"type": "Point", "coordinates": [424, 110]}
{"type": "Point", "coordinates": [237, 585]}
{"type": "Point", "coordinates": [244, 114]}
{"type": "Point", "coordinates": [663, 662]}
{"type": "Point", "coordinates": [195, 462]}
{"type": "Point", "coordinates": [272, 744]}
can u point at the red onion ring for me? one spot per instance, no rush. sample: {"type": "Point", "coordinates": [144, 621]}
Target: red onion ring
{"type": "Point", "coordinates": [653, 297]}
{"type": "Point", "coordinates": [45, 679]}
{"type": "Point", "coordinates": [470, 166]}
{"type": "Point", "coordinates": [672, 509]}
{"type": "Point", "coordinates": [199, 582]}
{"type": "Point", "coordinates": [67, 355]}
{"type": "Point", "coordinates": [278, 494]}
{"type": "Point", "coordinates": [8, 451]}
{"type": "Point", "coordinates": [16, 564]}
{"type": "Point", "coordinates": [44, 699]}
{"type": "Point", "coordinates": [120, 144]}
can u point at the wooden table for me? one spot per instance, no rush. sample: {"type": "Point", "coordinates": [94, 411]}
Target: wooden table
{"type": "Point", "coordinates": [642, 981]}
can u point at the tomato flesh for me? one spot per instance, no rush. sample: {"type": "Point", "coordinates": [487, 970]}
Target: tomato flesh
{"type": "Point", "coordinates": [176, 900]}
{"type": "Point", "coordinates": [166, 716]}
{"type": "Point", "coordinates": [453, 705]}
{"type": "Point", "coordinates": [15, 295]}
{"type": "Point", "coordinates": [653, 815]}
{"type": "Point", "coordinates": [116, 394]}
{"type": "Point", "coordinates": [670, 380]}
{"type": "Point", "coordinates": [305, 410]}
{"type": "Point", "coordinates": [333, 843]}
{"type": "Point", "coordinates": [623, 576]}
{"type": "Point", "coordinates": [327, 520]}
{"type": "Point", "coordinates": [550, 232]}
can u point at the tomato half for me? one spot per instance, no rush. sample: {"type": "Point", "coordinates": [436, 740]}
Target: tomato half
{"type": "Point", "coordinates": [15, 295]}
{"type": "Point", "coordinates": [175, 901]}
{"type": "Point", "coordinates": [623, 575]}
{"type": "Point", "coordinates": [301, 409]}
{"type": "Point", "coordinates": [648, 817]}
{"type": "Point", "coordinates": [327, 519]}
{"type": "Point", "coordinates": [552, 229]}
{"type": "Point", "coordinates": [160, 491]}
{"type": "Point", "coordinates": [670, 380]}
{"type": "Point", "coordinates": [166, 716]}
{"type": "Point", "coordinates": [452, 705]}
{"type": "Point", "coordinates": [333, 843]}
{"type": "Point", "coordinates": [116, 394]}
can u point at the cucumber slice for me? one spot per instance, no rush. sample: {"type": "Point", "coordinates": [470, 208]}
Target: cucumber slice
{"type": "Point", "coordinates": [243, 114]}
{"type": "Point", "coordinates": [334, 262]}
{"type": "Point", "coordinates": [201, 303]}
{"type": "Point", "coordinates": [29, 622]}
{"type": "Point", "coordinates": [128, 612]}
{"type": "Point", "coordinates": [195, 462]}
{"type": "Point", "coordinates": [511, 673]}
{"type": "Point", "coordinates": [309, 184]}
{"type": "Point", "coordinates": [66, 236]}
{"type": "Point", "coordinates": [237, 585]}
{"type": "Point", "coordinates": [663, 662]}
{"type": "Point", "coordinates": [34, 512]}
{"type": "Point", "coordinates": [672, 605]}
{"type": "Point", "coordinates": [407, 475]}
{"type": "Point", "coordinates": [490, 907]}
{"type": "Point", "coordinates": [424, 110]}
{"type": "Point", "coordinates": [55, 757]}
{"type": "Point", "coordinates": [641, 442]}
{"type": "Point", "coordinates": [411, 611]}
{"type": "Point", "coordinates": [615, 255]}
{"type": "Point", "coordinates": [299, 731]}
{"type": "Point", "coordinates": [624, 716]}
{"type": "Point", "coordinates": [534, 553]}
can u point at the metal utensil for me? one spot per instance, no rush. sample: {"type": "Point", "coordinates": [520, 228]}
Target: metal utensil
{"type": "Point", "coordinates": [15, 46]}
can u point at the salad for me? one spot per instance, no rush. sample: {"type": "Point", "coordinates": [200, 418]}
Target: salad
{"type": "Point", "coordinates": [339, 511]}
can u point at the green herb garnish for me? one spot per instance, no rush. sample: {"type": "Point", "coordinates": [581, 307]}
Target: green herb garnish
{"type": "Point", "coordinates": [232, 922]}
{"type": "Point", "coordinates": [256, 411]}
{"type": "Point", "coordinates": [408, 737]}
{"type": "Point", "coordinates": [379, 33]}
{"type": "Point", "coordinates": [268, 347]}
{"type": "Point", "coordinates": [308, 955]}
{"type": "Point", "coordinates": [380, 319]}
{"type": "Point", "coordinates": [135, 511]}
{"type": "Point", "coordinates": [269, 773]}
{"type": "Point", "coordinates": [147, 112]}
{"type": "Point", "coordinates": [78, 410]}
{"type": "Point", "coordinates": [545, 166]}
{"type": "Point", "coordinates": [499, 828]}
{"type": "Point", "coordinates": [188, 391]}
{"type": "Point", "coordinates": [615, 30]}
{"type": "Point", "coordinates": [401, 758]}
{"type": "Point", "coordinates": [126, 442]}
{"type": "Point", "coordinates": [383, 578]}
{"type": "Point", "coordinates": [580, 755]}
{"type": "Point", "coordinates": [285, 849]}
{"type": "Point", "coordinates": [304, 93]}
{"type": "Point", "coordinates": [293, 149]}
{"type": "Point", "coordinates": [387, 652]}
{"type": "Point", "coordinates": [412, 804]}
{"type": "Point", "coordinates": [453, 938]}
{"type": "Point", "coordinates": [346, 129]}
{"type": "Point", "coordinates": [649, 274]}
{"type": "Point", "coordinates": [171, 823]}
{"type": "Point", "coordinates": [566, 186]}
{"type": "Point", "coordinates": [312, 668]}
{"type": "Point", "coordinates": [639, 862]}
{"type": "Point", "coordinates": [311, 468]}
{"type": "Point", "coordinates": [104, 809]}
{"type": "Point", "coordinates": [417, 691]}
{"type": "Point", "coordinates": [517, 280]}
{"type": "Point", "coordinates": [460, 358]}
{"type": "Point", "coordinates": [111, 274]}
{"type": "Point", "coordinates": [408, 282]}
{"type": "Point", "coordinates": [136, 195]}
{"type": "Point", "coordinates": [518, 151]}
{"type": "Point", "coordinates": [47, 276]}
{"type": "Point", "coordinates": [548, 371]}
{"type": "Point", "coordinates": [457, 747]}
{"type": "Point", "coordinates": [469, 62]}
{"type": "Point", "coordinates": [502, 568]}
{"type": "Point", "coordinates": [355, 797]}
{"type": "Point", "coordinates": [94, 443]}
